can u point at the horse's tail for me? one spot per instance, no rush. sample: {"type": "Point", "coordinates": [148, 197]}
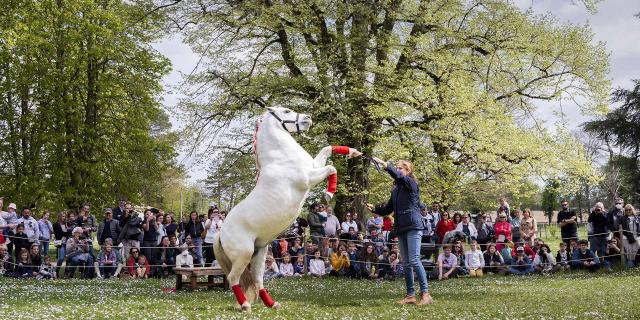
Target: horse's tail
{"type": "Point", "coordinates": [246, 280]}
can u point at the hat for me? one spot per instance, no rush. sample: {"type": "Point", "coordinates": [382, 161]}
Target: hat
{"type": "Point", "coordinates": [108, 210]}
{"type": "Point", "coordinates": [77, 230]}
{"type": "Point", "coordinates": [502, 214]}
{"type": "Point", "coordinates": [12, 206]}
{"type": "Point", "coordinates": [212, 204]}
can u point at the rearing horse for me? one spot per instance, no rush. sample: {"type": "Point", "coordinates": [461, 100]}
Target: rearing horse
{"type": "Point", "coordinates": [286, 174]}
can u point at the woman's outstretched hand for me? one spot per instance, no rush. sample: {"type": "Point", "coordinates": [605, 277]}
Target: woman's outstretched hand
{"type": "Point", "coordinates": [381, 162]}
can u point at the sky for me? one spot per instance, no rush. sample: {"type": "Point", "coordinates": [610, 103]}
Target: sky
{"type": "Point", "coordinates": [614, 24]}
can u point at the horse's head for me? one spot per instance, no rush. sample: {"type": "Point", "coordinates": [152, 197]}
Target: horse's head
{"type": "Point", "coordinates": [289, 120]}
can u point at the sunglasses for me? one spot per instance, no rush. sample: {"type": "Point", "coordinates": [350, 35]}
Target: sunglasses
{"type": "Point", "coordinates": [134, 252]}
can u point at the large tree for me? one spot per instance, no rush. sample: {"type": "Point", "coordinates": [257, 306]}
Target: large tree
{"type": "Point", "coordinates": [80, 118]}
{"type": "Point", "coordinates": [450, 85]}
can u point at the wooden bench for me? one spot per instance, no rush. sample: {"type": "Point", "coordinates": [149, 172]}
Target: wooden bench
{"type": "Point", "coordinates": [212, 273]}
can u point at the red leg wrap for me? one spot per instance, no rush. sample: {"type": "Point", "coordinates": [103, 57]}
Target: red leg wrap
{"type": "Point", "coordinates": [333, 182]}
{"type": "Point", "coordinates": [266, 298]}
{"type": "Point", "coordinates": [239, 294]}
{"type": "Point", "coordinates": [340, 149]}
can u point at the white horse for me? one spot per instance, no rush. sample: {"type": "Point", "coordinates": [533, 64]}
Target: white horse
{"type": "Point", "coordinates": [286, 174]}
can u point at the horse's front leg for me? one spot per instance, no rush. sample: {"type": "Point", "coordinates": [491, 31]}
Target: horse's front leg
{"type": "Point", "coordinates": [321, 159]}
{"type": "Point", "coordinates": [317, 175]}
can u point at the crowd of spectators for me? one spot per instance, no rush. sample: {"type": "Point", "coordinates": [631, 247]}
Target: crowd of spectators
{"type": "Point", "coordinates": [150, 244]}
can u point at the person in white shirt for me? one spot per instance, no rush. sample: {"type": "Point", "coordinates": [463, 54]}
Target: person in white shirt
{"type": "Point", "coordinates": [316, 266]}
{"type": "Point", "coordinates": [332, 226]}
{"type": "Point", "coordinates": [31, 227]}
{"type": "Point", "coordinates": [212, 226]}
{"type": "Point", "coordinates": [184, 259]}
{"type": "Point", "coordinates": [447, 264]}
{"type": "Point", "coordinates": [271, 269]}
{"type": "Point", "coordinates": [474, 260]}
{"type": "Point", "coordinates": [348, 223]}
{"type": "Point", "coordinates": [286, 268]}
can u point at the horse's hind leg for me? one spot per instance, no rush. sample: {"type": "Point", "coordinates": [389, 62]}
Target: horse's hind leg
{"type": "Point", "coordinates": [239, 259]}
{"type": "Point", "coordinates": [257, 272]}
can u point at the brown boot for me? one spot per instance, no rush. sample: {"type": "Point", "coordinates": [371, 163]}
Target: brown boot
{"type": "Point", "coordinates": [408, 300]}
{"type": "Point", "coordinates": [425, 299]}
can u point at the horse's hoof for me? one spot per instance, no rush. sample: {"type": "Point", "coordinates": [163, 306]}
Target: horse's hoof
{"type": "Point", "coordinates": [246, 307]}
{"type": "Point", "coordinates": [276, 305]}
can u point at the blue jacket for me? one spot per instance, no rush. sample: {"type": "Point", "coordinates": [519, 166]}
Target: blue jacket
{"type": "Point", "coordinates": [405, 202]}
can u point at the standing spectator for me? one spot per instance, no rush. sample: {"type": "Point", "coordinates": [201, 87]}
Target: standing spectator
{"type": "Point", "coordinates": [485, 230]}
{"type": "Point", "coordinates": [108, 228]}
{"type": "Point", "coordinates": [521, 264]}
{"type": "Point", "coordinates": [316, 266]}
{"type": "Point", "coordinates": [87, 221]}
{"type": "Point", "coordinates": [10, 223]}
{"type": "Point", "coordinates": [457, 218]}
{"type": "Point", "coordinates": [130, 232]}
{"type": "Point", "coordinates": [630, 238]}
{"type": "Point", "coordinates": [584, 258]}
{"type": "Point", "coordinates": [387, 227]}
{"type": "Point", "coordinates": [493, 261]}
{"type": "Point", "coordinates": [447, 264]}
{"type": "Point", "coordinates": [434, 218]}
{"type": "Point", "coordinates": [568, 223]}
{"type": "Point", "coordinates": [340, 263]}
{"type": "Point", "coordinates": [615, 216]}
{"type": "Point", "coordinates": [502, 230]}
{"type": "Point", "coordinates": [528, 227]}
{"type": "Point", "coordinates": [503, 206]}
{"type": "Point", "coordinates": [332, 226]}
{"type": "Point", "coordinates": [599, 231]}
{"type": "Point", "coordinates": [46, 229]}
{"type": "Point", "coordinates": [150, 236]}
{"type": "Point", "coordinates": [444, 225]}
{"type": "Point", "coordinates": [61, 233]}
{"type": "Point", "coordinates": [212, 226]}
{"type": "Point", "coordinates": [467, 228]}
{"type": "Point", "coordinates": [271, 269]}
{"type": "Point", "coordinates": [170, 224]}
{"type": "Point", "coordinates": [563, 258]}
{"type": "Point", "coordinates": [348, 223]}
{"type": "Point", "coordinates": [286, 267]}
{"type": "Point", "coordinates": [20, 240]}
{"type": "Point", "coordinates": [356, 219]}
{"type": "Point", "coordinates": [374, 223]}
{"type": "Point", "coordinates": [194, 228]}
{"type": "Point", "coordinates": [316, 226]}
{"type": "Point", "coordinates": [162, 231]}
{"type": "Point", "coordinates": [30, 224]}
{"type": "Point", "coordinates": [119, 210]}
{"type": "Point", "coordinates": [474, 260]}
{"type": "Point", "coordinates": [515, 220]}
{"type": "Point", "coordinates": [78, 254]}
{"type": "Point", "coordinates": [107, 260]}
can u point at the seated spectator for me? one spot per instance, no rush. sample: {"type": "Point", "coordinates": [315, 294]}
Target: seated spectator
{"type": "Point", "coordinates": [286, 267]}
{"type": "Point", "coordinates": [298, 267]}
{"type": "Point", "coordinates": [544, 262]}
{"type": "Point", "coordinates": [34, 255]}
{"type": "Point", "coordinates": [271, 269]}
{"type": "Point", "coordinates": [78, 255]}
{"type": "Point", "coordinates": [164, 258]}
{"type": "Point", "coordinates": [527, 250]}
{"type": "Point", "coordinates": [352, 252]}
{"type": "Point", "coordinates": [184, 259]}
{"type": "Point", "coordinates": [47, 270]}
{"type": "Point", "coordinates": [316, 266]}
{"type": "Point", "coordinates": [474, 260]}
{"type": "Point", "coordinates": [368, 260]}
{"type": "Point", "coordinates": [521, 265]}
{"type": "Point", "coordinates": [507, 252]}
{"type": "Point", "coordinates": [193, 249]}
{"type": "Point", "coordinates": [384, 266]}
{"type": "Point", "coordinates": [397, 269]}
{"type": "Point", "coordinates": [296, 249]}
{"type": "Point", "coordinates": [563, 258]}
{"type": "Point", "coordinates": [493, 261]}
{"type": "Point", "coordinates": [573, 246]}
{"type": "Point", "coordinates": [584, 258]}
{"type": "Point", "coordinates": [136, 262]}
{"type": "Point", "coordinates": [612, 254]}
{"type": "Point", "coordinates": [340, 263]}
{"type": "Point", "coordinates": [20, 241]}
{"type": "Point", "coordinates": [458, 251]}
{"type": "Point", "coordinates": [378, 241]}
{"type": "Point", "coordinates": [24, 267]}
{"type": "Point", "coordinates": [485, 231]}
{"type": "Point", "coordinates": [467, 228]}
{"type": "Point", "coordinates": [107, 260]}
{"type": "Point", "coordinates": [6, 261]}
{"type": "Point", "coordinates": [447, 265]}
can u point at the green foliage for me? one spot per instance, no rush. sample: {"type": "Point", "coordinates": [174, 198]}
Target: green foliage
{"type": "Point", "coordinates": [450, 85]}
{"type": "Point", "coordinates": [550, 198]}
{"type": "Point", "coordinates": [80, 118]}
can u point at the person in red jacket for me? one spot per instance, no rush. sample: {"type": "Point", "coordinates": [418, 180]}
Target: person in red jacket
{"type": "Point", "coordinates": [444, 225]}
{"type": "Point", "coordinates": [502, 231]}
{"type": "Point", "coordinates": [527, 250]}
{"type": "Point", "coordinates": [137, 264]}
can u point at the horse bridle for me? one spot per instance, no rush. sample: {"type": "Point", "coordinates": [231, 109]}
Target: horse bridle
{"type": "Point", "coordinates": [283, 122]}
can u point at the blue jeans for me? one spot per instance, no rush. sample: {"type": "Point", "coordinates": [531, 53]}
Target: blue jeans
{"type": "Point", "coordinates": [44, 247]}
{"type": "Point", "coordinates": [61, 253]}
{"type": "Point", "coordinates": [410, 251]}
{"type": "Point", "coordinates": [198, 242]}
{"type": "Point", "coordinates": [518, 272]}
{"type": "Point", "coordinates": [599, 244]}
{"type": "Point", "coordinates": [75, 261]}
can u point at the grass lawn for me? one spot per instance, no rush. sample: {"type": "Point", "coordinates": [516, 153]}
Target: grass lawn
{"type": "Point", "coordinates": [569, 296]}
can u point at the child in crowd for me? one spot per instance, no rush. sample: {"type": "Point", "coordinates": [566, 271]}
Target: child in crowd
{"type": "Point", "coordinates": [563, 258]}
{"type": "Point", "coordinates": [474, 260]}
{"type": "Point", "coordinates": [184, 259]}
{"type": "Point", "coordinates": [397, 269]}
{"type": "Point", "coordinates": [24, 267]}
{"type": "Point", "coordinates": [493, 261]}
{"type": "Point", "coordinates": [271, 268]}
{"type": "Point", "coordinates": [298, 267]}
{"type": "Point", "coordinates": [316, 266]}
{"type": "Point", "coordinates": [20, 241]}
{"type": "Point", "coordinates": [47, 269]}
{"type": "Point", "coordinates": [107, 260]}
{"type": "Point", "coordinates": [447, 264]}
{"type": "Point", "coordinates": [584, 258]}
{"type": "Point", "coordinates": [507, 252]}
{"type": "Point", "coordinates": [142, 267]}
{"type": "Point", "coordinates": [521, 264]}
{"type": "Point", "coordinates": [543, 262]}
{"type": "Point", "coordinates": [286, 268]}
